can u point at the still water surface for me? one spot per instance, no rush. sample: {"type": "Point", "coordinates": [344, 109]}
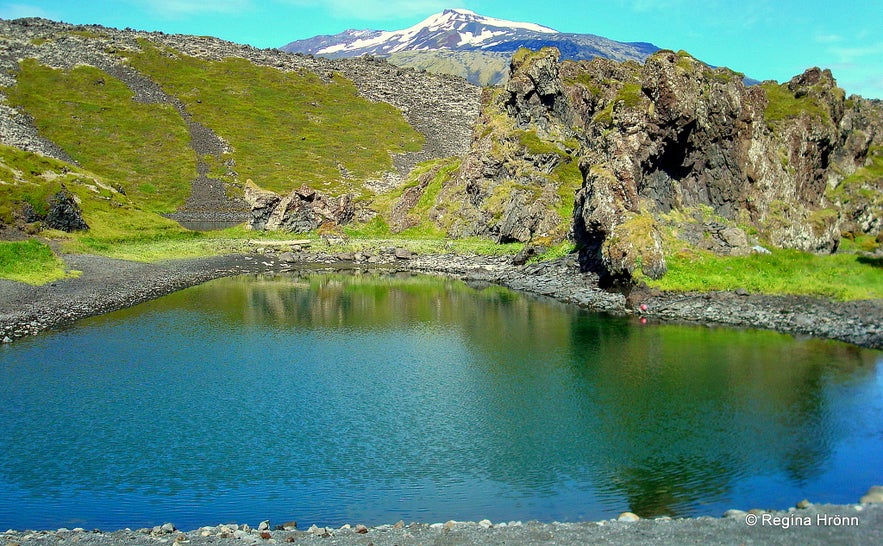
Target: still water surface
{"type": "Point", "coordinates": [334, 399]}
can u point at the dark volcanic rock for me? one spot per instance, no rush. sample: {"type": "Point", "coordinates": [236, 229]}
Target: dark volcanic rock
{"type": "Point", "coordinates": [64, 212]}
{"type": "Point", "coordinates": [670, 148]}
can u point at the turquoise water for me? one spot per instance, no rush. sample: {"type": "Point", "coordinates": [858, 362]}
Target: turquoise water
{"type": "Point", "coordinates": [334, 399]}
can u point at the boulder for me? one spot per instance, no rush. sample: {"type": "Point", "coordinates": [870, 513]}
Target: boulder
{"type": "Point", "coordinates": [64, 212]}
{"type": "Point", "coordinates": [874, 495]}
{"type": "Point", "coordinates": [302, 210]}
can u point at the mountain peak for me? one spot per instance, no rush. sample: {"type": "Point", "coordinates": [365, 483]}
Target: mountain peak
{"type": "Point", "coordinates": [449, 29]}
{"type": "Point", "coordinates": [453, 37]}
{"type": "Point", "coordinates": [459, 15]}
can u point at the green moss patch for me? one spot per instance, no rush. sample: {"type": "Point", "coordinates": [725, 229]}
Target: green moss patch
{"type": "Point", "coordinates": [782, 104]}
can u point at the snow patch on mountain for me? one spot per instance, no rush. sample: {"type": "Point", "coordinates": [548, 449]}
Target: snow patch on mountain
{"type": "Point", "coordinates": [445, 30]}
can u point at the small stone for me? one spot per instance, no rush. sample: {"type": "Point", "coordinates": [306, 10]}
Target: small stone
{"type": "Point", "coordinates": [290, 539]}
{"type": "Point", "coordinates": [264, 525]}
{"type": "Point", "coordinates": [742, 292]}
{"type": "Point", "coordinates": [449, 525]}
{"type": "Point", "coordinates": [181, 538]}
{"type": "Point", "coordinates": [289, 525]}
{"type": "Point", "coordinates": [628, 517]}
{"type": "Point", "coordinates": [402, 253]}
{"type": "Point", "coordinates": [734, 514]}
{"type": "Point", "coordinates": [240, 534]}
{"type": "Point", "coordinates": [399, 525]}
{"type": "Point", "coordinates": [265, 535]}
{"type": "Point", "coordinates": [361, 529]}
{"type": "Point", "coordinates": [7, 339]}
{"type": "Point", "coordinates": [485, 523]}
{"type": "Point", "coordinates": [874, 495]}
{"type": "Point", "coordinates": [245, 527]}
{"type": "Point", "coordinates": [804, 504]}
{"type": "Point", "coordinates": [167, 528]}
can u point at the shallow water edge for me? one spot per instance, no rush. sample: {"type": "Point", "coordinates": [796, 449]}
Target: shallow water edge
{"type": "Point", "coordinates": [107, 285]}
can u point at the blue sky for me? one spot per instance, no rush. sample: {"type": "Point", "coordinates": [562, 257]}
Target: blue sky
{"type": "Point", "coordinates": [766, 39]}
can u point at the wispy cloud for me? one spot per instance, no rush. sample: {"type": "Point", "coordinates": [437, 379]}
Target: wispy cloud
{"type": "Point", "coordinates": [375, 10]}
{"type": "Point", "coordinates": [177, 8]}
{"type": "Point", "coordinates": [647, 6]}
{"type": "Point", "coordinates": [848, 54]}
{"type": "Point", "coordinates": [16, 11]}
{"type": "Point", "coordinates": [828, 38]}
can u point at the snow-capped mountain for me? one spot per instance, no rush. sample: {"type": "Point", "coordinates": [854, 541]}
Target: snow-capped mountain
{"type": "Point", "coordinates": [433, 42]}
{"type": "Point", "coordinates": [450, 29]}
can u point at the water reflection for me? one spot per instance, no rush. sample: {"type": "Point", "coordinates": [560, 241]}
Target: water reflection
{"type": "Point", "coordinates": [342, 398]}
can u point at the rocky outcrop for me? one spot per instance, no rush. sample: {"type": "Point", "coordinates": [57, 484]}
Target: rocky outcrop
{"type": "Point", "coordinates": [303, 210]}
{"type": "Point", "coordinates": [62, 213]}
{"type": "Point", "coordinates": [517, 181]}
{"type": "Point", "coordinates": [671, 150]}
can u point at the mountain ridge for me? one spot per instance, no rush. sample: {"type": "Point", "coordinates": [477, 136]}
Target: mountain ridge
{"type": "Point", "coordinates": [466, 33]}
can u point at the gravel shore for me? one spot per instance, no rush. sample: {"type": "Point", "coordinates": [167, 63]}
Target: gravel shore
{"type": "Point", "coordinates": [812, 525]}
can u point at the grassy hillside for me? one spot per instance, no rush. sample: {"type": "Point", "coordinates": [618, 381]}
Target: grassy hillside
{"type": "Point", "coordinates": [112, 216]}
{"type": "Point", "coordinates": [285, 128]}
{"type": "Point", "coordinates": [142, 148]}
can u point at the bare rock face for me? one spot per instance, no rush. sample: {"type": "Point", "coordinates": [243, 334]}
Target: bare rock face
{"type": "Point", "coordinates": [672, 147]}
{"type": "Point", "coordinates": [261, 202]}
{"type": "Point", "coordinates": [303, 210]}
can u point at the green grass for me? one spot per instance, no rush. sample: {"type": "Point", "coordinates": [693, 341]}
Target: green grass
{"type": "Point", "coordinates": [782, 104]}
{"type": "Point", "coordinates": [838, 276]}
{"type": "Point", "coordinates": [630, 93]}
{"type": "Point", "coordinates": [31, 261]}
{"type": "Point", "coordinates": [286, 128]}
{"type": "Point", "coordinates": [142, 147]}
{"type": "Point", "coordinates": [114, 221]}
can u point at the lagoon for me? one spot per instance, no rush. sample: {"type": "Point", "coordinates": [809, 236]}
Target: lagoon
{"type": "Point", "coordinates": [370, 398]}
